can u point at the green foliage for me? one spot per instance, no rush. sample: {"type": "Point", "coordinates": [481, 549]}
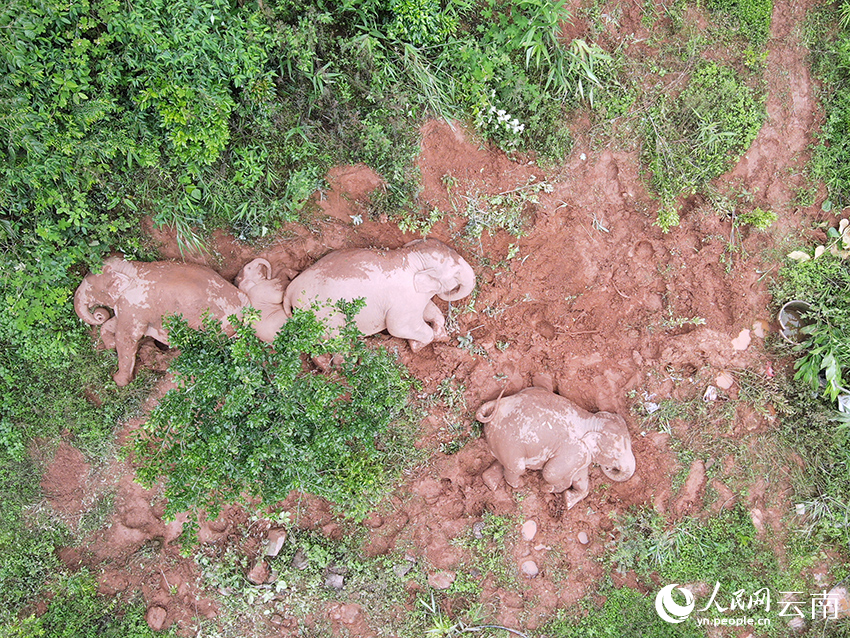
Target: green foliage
{"type": "Point", "coordinates": [698, 136]}
{"type": "Point", "coordinates": [831, 64]}
{"type": "Point", "coordinates": [28, 547]}
{"type": "Point", "coordinates": [76, 611]}
{"type": "Point", "coordinates": [247, 420]}
{"type": "Point", "coordinates": [752, 16]}
{"type": "Point", "coordinates": [625, 612]}
{"type": "Point", "coordinates": [721, 548]}
{"type": "Point", "coordinates": [824, 283]}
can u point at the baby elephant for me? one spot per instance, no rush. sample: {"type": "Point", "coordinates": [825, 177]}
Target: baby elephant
{"type": "Point", "coordinates": [535, 429]}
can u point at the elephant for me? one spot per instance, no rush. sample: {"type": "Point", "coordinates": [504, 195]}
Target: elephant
{"type": "Point", "coordinates": [538, 429]}
{"type": "Point", "coordinates": [266, 295]}
{"type": "Point", "coordinates": [397, 286]}
{"type": "Point", "coordinates": [141, 293]}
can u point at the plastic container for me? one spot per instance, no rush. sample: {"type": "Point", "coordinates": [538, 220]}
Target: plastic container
{"type": "Point", "coordinates": [792, 320]}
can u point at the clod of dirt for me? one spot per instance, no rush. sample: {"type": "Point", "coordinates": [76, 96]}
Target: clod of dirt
{"type": "Point", "coordinates": [275, 541]}
{"type": "Point", "coordinates": [530, 569]}
{"type": "Point", "coordinates": [441, 580]}
{"type": "Point", "coordinates": [259, 573]}
{"type": "Point", "coordinates": [156, 617]}
{"type": "Point", "coordinates": [692, 491]}
{"type": "Point", "coordinates": [299, 561]}
{"type": "Point", "coordinates": [725, 497]}
{"type": "Point", "coordinates": [742, 341]}
{"type": "Point", "coordinates": [493, 476]}
{"type": "Point", "coordinates": [529, 530]}
{"type": "Point", "coordinates": [724, 381]}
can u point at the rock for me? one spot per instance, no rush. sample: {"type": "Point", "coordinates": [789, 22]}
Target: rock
{"type": "Point", "coordinates": [760, 328]}
{"type": "Point", "coordinates": [493, 476]}
{"type": "Point", "coordinates": [758, 520]}
{"type": "Point", "coordinates": [529, 530]}
{"type": "Point", "coordinates": [742, 341]}
{"type": "Point", "coordinates": [299, 561]}
{"type": "Point", "coordinates": [335, 581]}
{"type": "Point", "coordinates": [402, 569]}
{"type": "Point", "coordinates": [530, 569]}
{"type": "Point", "coordinates": [837, 604]}
{"type": "Point", "coordinates": [478, 529]}
{"type": "Point", "coordinates": [441, 580]}
{"type": "Point", "coordinates": [275, 541]}
{"type": "Point", "coordinates": [583, 538]}
{"type": "Point", "coordinates": [155, 617]}
{"type": "Point", "coordinates": [259, 573]}
{"type": "Point", "coordinates": [724, 380]}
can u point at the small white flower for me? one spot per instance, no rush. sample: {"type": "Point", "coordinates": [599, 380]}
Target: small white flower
{"type": "Point", "coordinates": [501, 113]}
{"type": "Point", "coordinates": [356, 219]}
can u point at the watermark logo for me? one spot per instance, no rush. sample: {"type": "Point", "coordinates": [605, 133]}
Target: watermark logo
{"type": "Point", "coordinates": [671, 611]}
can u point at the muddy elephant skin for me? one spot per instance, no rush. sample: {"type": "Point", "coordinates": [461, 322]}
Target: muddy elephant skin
{"type": "Point", "coordinates": [140, 294]}
{"type": "Point", "coordinates": [397, 286]}
{"type": "Point", "coordinates": [266, 295]}
{"type": "Point", "coordinates": [537, 429]}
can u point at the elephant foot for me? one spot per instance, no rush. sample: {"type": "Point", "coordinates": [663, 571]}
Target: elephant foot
{"type": "Point", "coordinates": [121, 379]}
{"type": "Point", "coordinates": [572, 498]}
{"type": "Point", "coordinates": [416, 346]}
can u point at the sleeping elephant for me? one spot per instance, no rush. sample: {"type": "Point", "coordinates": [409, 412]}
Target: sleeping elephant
{"type": "Point", "coordinates": [265, 294]}
{"type": "Point", "coordinates": [538, 429]}
{"type": "Point", "coordinates": [141, 293]}
{"type": "Point", "coordinates": [397, 286]}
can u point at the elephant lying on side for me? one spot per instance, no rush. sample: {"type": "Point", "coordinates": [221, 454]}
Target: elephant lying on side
{"type": "Point", "coordinates": [266, 295]}
{"type": "Point", "coordinates": [397, 286]}
{"type": "Point", "coordinates": [537, 429]}
{"type": "Point", "coordinates": [141, 293]}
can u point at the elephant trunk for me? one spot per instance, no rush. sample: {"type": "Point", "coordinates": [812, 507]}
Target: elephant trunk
{"type": "Point", "coordinates": [465, 283]}
{"type": "Point", "coordinates": [83, 303]}
{"type": "Point", "coordinates": [621, 472]}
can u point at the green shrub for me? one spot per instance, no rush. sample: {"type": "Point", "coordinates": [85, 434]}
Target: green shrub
{"type": "Point", "coordinates": [752, 16]}
{"type": "Point", "coordinates": [831, 64]}
{"type": "Point", "coordinates": [247, 420]}
{"type": "Point", "coordinates": [77, 611]}
{"type": "Point", "coordinates": [697, 137]}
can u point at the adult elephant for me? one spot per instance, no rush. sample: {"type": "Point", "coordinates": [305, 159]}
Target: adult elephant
{"type": "Point", "coordinates": [397, 286]}
{"type": "Point", "coordinates": [141, 293]}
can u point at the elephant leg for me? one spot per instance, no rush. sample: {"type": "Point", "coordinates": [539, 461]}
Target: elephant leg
{"type": "Point", "coordinates": [126, 345]}
{"type": "Point", "coordinates": [568, 473]}
{"type": "Point", "coordinates": [579, 488]}
{"type": "Point", "coordinates": [434, 318]}
{"type": "Point", "coordinates": [107, 333]}
{"type": "Point", "coordinates": [512, 473]}
{"type": "Point", "coordinates": [410, 327]}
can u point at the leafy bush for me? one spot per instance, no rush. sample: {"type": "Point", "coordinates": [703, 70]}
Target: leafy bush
{"type": "Point", "coordinates": [752, 16]}
{"type": "Point", "coordinates": [831, 65]}
{"type": "Point", "coordinates": [247, 420]}
{"type": "Point", "coordinates": [76, 611]}
{"type": "Point", "coordinates": [698, 136]}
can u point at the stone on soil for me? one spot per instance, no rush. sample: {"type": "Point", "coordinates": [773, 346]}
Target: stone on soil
{"type": "Point", "coordinates": [529, 530]}
{"type": "Point", "coordinates": [582, 538]}
{"type": "Point", "coordinates": [441, 580]}
{"type": "Point", "coordinates": [156, 616]}
{"type": "Point", "coordinates": [259, 573]}
{"type": "Point", "coordinates": [275, 541]}
{"type": "Point", "coordinates": [530, 569]}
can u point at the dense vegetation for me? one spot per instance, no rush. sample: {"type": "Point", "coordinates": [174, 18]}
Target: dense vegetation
{"type": "Point", "coordinates": [246, 421]}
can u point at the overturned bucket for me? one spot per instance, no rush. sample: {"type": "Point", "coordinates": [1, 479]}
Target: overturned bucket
{"type": "Point", "coordinates": [792, 320]}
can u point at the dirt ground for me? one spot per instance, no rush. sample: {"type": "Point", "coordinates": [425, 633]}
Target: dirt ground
{"type": "Point", "coordinates": [595, 298]}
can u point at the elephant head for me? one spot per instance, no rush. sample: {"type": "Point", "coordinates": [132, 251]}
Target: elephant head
{"type": "Point", "coordinates": [252, 273]}
{"type": "Point", "coordinates": [102, 290]}
{"type": "Point", "coordinates": [610, 446]}
{"type": "Point", "coordinates": [439, 270]}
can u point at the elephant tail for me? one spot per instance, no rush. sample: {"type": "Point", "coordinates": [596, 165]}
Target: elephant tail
{"type": "Point", "coordinates": [487, 412]}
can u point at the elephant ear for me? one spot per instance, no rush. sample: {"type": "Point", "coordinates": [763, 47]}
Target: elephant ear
{"type": "Point", "coordinates": [120, 282]}
{"type": "Point", "coordinates": [427, 281]}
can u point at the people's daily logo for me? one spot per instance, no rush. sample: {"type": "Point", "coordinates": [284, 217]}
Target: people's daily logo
{"type": "Point", "coordinates": [671, 611]}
